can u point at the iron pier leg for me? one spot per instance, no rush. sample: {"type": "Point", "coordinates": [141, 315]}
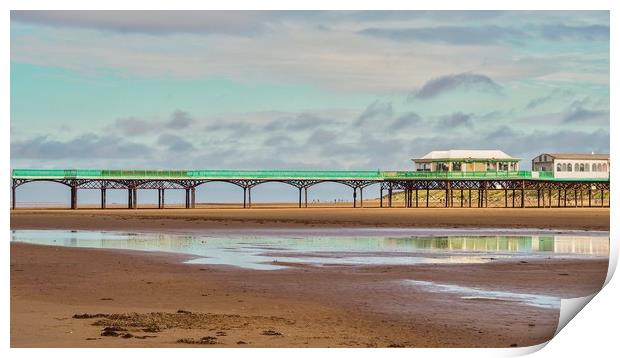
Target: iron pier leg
{"type": "Point", "coordinates": [361, 197]}
{"type": "Point", "coordinates": [589, 197]}
{"type": "Point", "coordinates": [416, 197]}
{"type": "Point", "coordinates": [73, 197]}
{"type": "Point", "coordinates": [538, 197]}
{"type": "Point", "coordinates": [103, 198]}
{"type": "Point", "coordinates": [135, 198]}
{"type": "Point", "coordinates": [129, 198]}
{"type": "Point", "coordinates": [486, 197]}
{"type": "Point", "coordinates": [13, 196]}
{"type": "Point", "coordinates": [575, 198]}
{"type": "Point", "coordinates": [427, 192]}
{"type": "Point", "coordinates": [186, 198]}
{"type": "Point", "coordinates": [193, 193]}
{"type": "Point", "coordinates": [469, 197]}
{"type": "Point", "coordinates": [550, 195]}
{"type": "Point", "coordinates": [300, 197]}
{"type": "Point", "coordinates": [522, 198]}
{"type": "Point", "coordinates": [163, 198]}
{"type": "Point", "coordinates": [306, 196]}
{"type": "Point", "coordinates": [505, 198]}
{"type": "Point", "coordinates": [390, 197]}
{"type": "Point", "coordinates": [406, 197]}
{"type": "Point", "coordinates": [249, 197]}
{"type": "Point", "coordinates": [158, 198]}
{"type": "Point", "coordinates": [244, 195]}
{"type": "Point", "coordinates": [565, 198]}
{"type": "Point", "coordinates": [513, 198]}
{"type": "Point", "coordinates": [354, 197]}
{"type": "Point", "coordinates": [446, 198]}
{"type": "Point", "coordinates": [381, 197]}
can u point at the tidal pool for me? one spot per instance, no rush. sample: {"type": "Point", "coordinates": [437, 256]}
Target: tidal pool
{"type": "Point", "coordinates": [361, 247]}
{"type": "Point", "coordinates": [473, 293]}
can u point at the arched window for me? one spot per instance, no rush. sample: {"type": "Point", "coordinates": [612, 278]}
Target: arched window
{"type": "Point", "coordinates": [582, 167]}
{"type": "Point", "coordinates": [605, 167]}
{"type": "Point", "coordinates": [569, 167]}
{"type": "Point", "coordinates": [587, 167]}
{"type": "Point", "coordinates": [563, 167]}
{"type": "Point", "coordinates": [559, 168]}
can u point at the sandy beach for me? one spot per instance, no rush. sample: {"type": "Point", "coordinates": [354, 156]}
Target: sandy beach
{"type": "Point", "coordinates": [78, 297]}
{"type": "Point", "coordinates": [155, 300]}
{"type": "Point", "coordinates": [278, 217]}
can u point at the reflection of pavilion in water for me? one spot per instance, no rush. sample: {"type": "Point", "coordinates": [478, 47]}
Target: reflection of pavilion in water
{"type": "Point", "coordinates": [581, 245]}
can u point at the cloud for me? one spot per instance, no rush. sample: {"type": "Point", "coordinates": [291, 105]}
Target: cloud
{"type": "Point", "coordinates": [462, 81]}
{"type": "Point", "coordinates": [179, 120]}
{"type": "Point", "coordinates": [406, 120]}
{"type": "Point", "coordinates": [322, 137]}
{"type": "Point", "coordinates": [174, 143]}
{"type": "Point", "coordinates": [453, 35]}
{"type": "Point", "coordinates": [538, 101]}
{"type": "Point", "coordinates": [580, 114]}
{"type": "Point", "coordinates": [279, 141]}
{"type": "Point", "coordinates": [299, 122]}
{"type": "Point", "coordinates": [582, 33]}
{"type": "Point", "coordinates": [85, 146]}
{"type": "Point", "coordinates": [151, 22]}
{"type": "Point", "coordinates": [454, 120]}
{"type": "Point", "coordinates": [133, 126]}
{"type": "Point", "coordinates": [376, 110]}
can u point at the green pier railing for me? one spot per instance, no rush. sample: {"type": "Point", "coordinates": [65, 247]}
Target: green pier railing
{"type": "Point", "coordinates": [377, 175]}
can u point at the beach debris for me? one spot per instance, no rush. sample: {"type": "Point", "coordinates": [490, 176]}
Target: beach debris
{"type": "Point", "coordinates": [110, 334]}
{"type": "Point", "coordinates": [514, 345]}
{"type": "Point", "coordinates": [88, 315]}
{"type": "Point", "coordinates": [523, 262]}
{"type": "Point", "coordinates": [92, 339]}
{"type": "Point", "coordinates": [106, 299]}
{"type": "Point", "coordinates": [203, 340]}
{"type": "Point", "coordinates": [271, 332]}
{"type": "Point", "coordinates": [220, 333]}
{"type": "Point", "coordinates": [183, 311]}
{"type": "Point", "coordinates": [152, 329]}
{"type": "Point", "coordinates": [144, 337]}
{"type": "Point", "coordinates": [127, 335]}
{"type": "Point", "coordinates": [396, 345]}
{"type": "Point", "coordinates": [241, 342]}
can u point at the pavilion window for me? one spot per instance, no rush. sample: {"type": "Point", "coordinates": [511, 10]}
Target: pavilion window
{"type": "Point", "coordinates": [604, 167]}
{"type": "Point", "coordinates": [559, 168]}
{"type": "Point", "coordinates": [442, 167]}
{"type": "Point", "coordinates": [456, 166]}
{"type": "Point", "coordinates": [569, 167]}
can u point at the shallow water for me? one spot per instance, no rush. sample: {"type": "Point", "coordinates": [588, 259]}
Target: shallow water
{"type": "Point", "coordinates": [269, 252]}
{"type": "Point", "coordinates": [472, 293]}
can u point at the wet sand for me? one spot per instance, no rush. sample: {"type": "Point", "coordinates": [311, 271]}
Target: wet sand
{"type": "Point", "coordinates": [262, 217]}
{"type": "Point", "coordinates": [155, 300]}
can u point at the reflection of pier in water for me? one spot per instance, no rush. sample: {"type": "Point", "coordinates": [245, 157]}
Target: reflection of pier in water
{"type": "Point", "coordinates": [579, 245]}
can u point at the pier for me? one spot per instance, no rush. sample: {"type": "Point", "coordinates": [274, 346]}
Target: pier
{"type": "Point", "coordinates": [419, 188]}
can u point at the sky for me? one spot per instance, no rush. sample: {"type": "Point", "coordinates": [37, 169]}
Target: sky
{"type": "Point", "coordinates": [303, 89]}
